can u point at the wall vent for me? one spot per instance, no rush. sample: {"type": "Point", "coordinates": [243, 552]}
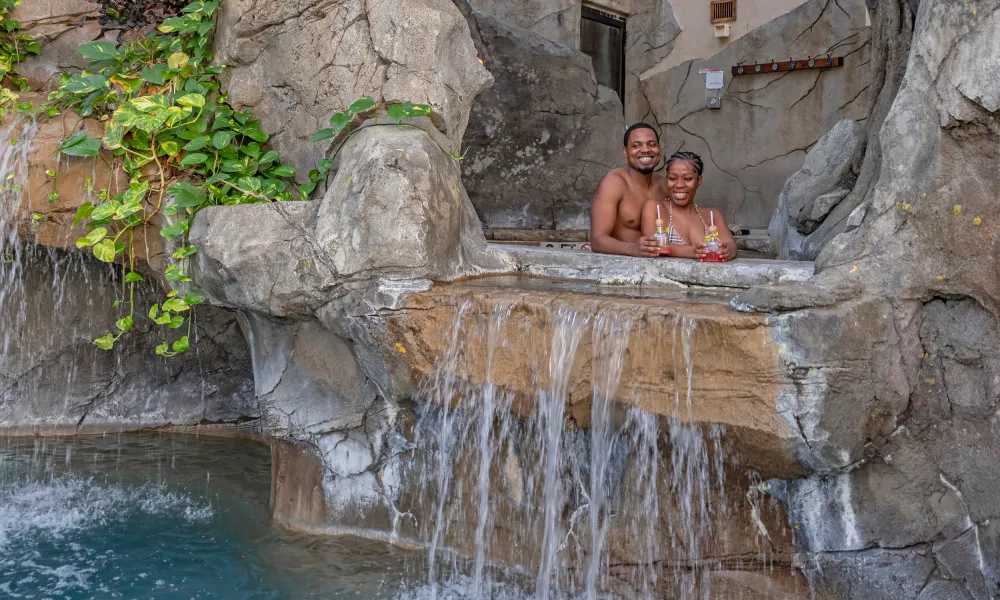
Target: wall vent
{"type": "Point", "coordinates": [723, 11]}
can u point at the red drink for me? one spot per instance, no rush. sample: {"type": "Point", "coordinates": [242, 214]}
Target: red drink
{"type": "Point", "coordinates": [712, 257]}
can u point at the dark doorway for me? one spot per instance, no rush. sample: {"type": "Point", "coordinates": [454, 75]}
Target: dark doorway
{"type": "Point", "coordinates": [602, 37]}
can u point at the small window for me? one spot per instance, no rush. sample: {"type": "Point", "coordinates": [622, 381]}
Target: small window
{"type": "Point", "coordinates": [602, 37]}
{"type": "Point", "coordinates": [723, 11]}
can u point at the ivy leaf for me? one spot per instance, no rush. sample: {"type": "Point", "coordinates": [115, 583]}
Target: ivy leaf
{"type": "Point", "coordinates": [193, 299]}
{"type": "Point", "coordinates": [105, 251]}
{"type": "Point", "coordinates": [92, 238]}
{"type": "Point", "coordinates": [362, 105]}
{"type": "Point", "coordinates": [284, 170]}
{"type": "Point", "coordinates": [222, 138]}
{"type": "Point", "coordinates": [85, 84]}
{"type": "Point", "coordinates": [323, 134]}
{"type": "Point", "coordinates": [132, 277]}
{"type": "Point", "coordinates": [124, 324]}
{"type": "Point", "coordinates": [192, 100]}
{"type": "Point", "coordinates": [155, 74]}
{"type": "Point", "coordinates": [170, 147]}
{"type": "Point", "coordinates": [181, 345]}
{"type": "Point", "coordinates": [194, 158]}
{"type": "Point", "coordinates": [185, 251]}
{"type": "Point", "coordinates": [269, 157]}
{"type": "Point", "coordinates": [98, 52]}
{"type": "Point", "coordinates": [86, 209]}
{"type": "Point", "coordinates": [397, 113]}
{"type": "Point", "coordinates": [252, 149]}
{"type": "Point", "coordinates": [197, 143]}
{"type": "Point", "coordinates": [153, 311]}
{"type": "Point", "coordinates": [175, 305]}
{"type": "Point", "coordinates": [114, 133]}
{"type": "Point", "coordinates": [175, 322]}
{"type": "Point", "coordinates": [178, 228]}
{"type": "Point", "coordinates": [186, 195]}
{"type": "Point", "coordinates": [162, 349]}
{"type": "Point", "coordinates": [178, 60]}
{"type": "Point", "coordinates": [419, 110]}
{"type": "Point", "coordinates": [105, 342]}
{"type": "Point", "coordinates": [79, 144]}
{"type": "Point", "coordinates": [339, 121]}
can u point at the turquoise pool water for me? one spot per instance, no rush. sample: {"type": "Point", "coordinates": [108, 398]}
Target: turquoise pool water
{"type": "Point", "coordinates": [173, 516]}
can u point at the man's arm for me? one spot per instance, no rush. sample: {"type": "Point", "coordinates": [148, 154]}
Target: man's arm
{"type": "Point", "coordinates": [604, 214]}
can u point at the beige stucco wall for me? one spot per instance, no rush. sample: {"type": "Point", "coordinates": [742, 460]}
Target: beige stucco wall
{"type": "Point", "coordinates": [697, 37]}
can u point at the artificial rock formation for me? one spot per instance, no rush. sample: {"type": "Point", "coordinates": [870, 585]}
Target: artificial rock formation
{"type": "Point", "coordinates": [557, 21]}
{"type": "Point", "coordinates": [60, 26]}
{"type": "Point", "coordinates": [297, 63]}
{"type": "Point", "coordinates": [541, 138]}
{"type": "Point", "coordinates": [767, 122]}
{"type": "Point", "coordinates": [921, 238]}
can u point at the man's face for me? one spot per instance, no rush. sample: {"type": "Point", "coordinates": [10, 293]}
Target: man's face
{"type": "Point", "coordinates": [643, 151]}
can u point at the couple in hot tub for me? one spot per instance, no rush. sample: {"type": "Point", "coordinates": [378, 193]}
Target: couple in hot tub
{"type": "Point", "coordinates": [625, 208]}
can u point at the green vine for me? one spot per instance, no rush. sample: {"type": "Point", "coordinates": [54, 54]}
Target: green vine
{"type": "Point", "coordinates": [14, 47]}
{"type": "Point", "coordinates": [170, 128]}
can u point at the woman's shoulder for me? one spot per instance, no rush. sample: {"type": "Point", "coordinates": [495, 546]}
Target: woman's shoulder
{"type": "Point", "coordinates": [707, 211]}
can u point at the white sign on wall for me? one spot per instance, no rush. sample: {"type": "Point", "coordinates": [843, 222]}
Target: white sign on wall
{"type": "Point", "coordinates": [713, 78]}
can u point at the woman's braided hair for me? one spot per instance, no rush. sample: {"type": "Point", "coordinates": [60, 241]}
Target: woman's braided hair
{"type": "Point", "coordinates": [691, 157]}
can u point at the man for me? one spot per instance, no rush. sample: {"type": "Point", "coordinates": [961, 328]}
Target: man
{"type": "Point", "coordinates": [616, 211]}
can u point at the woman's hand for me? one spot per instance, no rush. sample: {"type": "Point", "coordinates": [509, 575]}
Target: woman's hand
{"type": "Point", "coordinates": [647, 246]}
{"type": "Point", "coordinates": [728, 251]}
{"type": "Point", "coordinates": [699, 251]}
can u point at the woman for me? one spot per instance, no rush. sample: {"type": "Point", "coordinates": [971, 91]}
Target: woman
{"type": "Point", "coordinates": [686, 224]}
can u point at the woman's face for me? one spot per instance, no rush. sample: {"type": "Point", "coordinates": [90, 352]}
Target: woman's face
{"type": "Point", "coordinates": [682, 182]}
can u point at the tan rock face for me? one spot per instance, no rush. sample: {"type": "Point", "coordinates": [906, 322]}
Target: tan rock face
{"type": "Point", "coordinates": [47, 219]}
{"type": "Point", "coordinates": [60, 26]}
{"type": "Point", "coordinates": [734, 378]}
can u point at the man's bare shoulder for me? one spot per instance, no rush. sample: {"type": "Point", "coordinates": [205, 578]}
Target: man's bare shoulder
{"type": "Point", "coordinates": [619, 175]}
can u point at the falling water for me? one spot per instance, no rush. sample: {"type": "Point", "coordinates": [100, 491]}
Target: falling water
{"type": "Point", "coordinates": [610, 339]}
{"type": "Point", "coordinates": [568, 329]}
{"type": "Point", "coordinates": [487, 417]}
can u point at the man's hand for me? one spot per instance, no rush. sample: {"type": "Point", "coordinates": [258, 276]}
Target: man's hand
{"type": "Point", "coordinates": [647, 246]}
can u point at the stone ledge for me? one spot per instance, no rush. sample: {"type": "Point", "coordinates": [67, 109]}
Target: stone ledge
{"type": "Point", "coordinates": [742, 273]}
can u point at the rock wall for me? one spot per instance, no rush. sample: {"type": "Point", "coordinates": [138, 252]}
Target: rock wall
{"type": "Point", "coordinates": [60, 26]}
{"type": "Point", "coordinates": [296, 63]}
{"type": "Point", "coordinates": [922, 238]}
{"type": "Point", "coordinates": [541, 138]}
{"type": "Point", "coordinates": [767, 123]}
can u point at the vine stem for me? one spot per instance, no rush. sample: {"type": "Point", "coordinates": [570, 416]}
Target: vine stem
{"type": "Point", "coordinates": [246, 192]}
{"type": "Point", "coordinates": [163, 183]}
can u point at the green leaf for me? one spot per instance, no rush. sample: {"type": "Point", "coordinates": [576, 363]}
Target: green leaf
{"type": "Point", "coordinates": [256, 135]}
{"type": "Point", "coordinates": [186, 195]}
{"type": "Point", "coordinates": [284, 170]}
{"type": "Point", "coordinates": [170, 147]}
{"type": "Point", "coordinates": [85, 84]}
{"type": "Point", "coordinates": [98, 52]}
{"type": "Point", "coordinates": [105, 342]}
{"type": "Point", "coordinates": [155, 74]}
{"type": "Point", "coordinates": [86, 209]}
{"type": "Point", "coordinates": [397, 113]}
{"type": "Point", "coordinates": [185, 251]}
{"type": "Point", "coordinates": [181, 345]}
{"type": "Point", "coordinates": [162, 349]}
{"type": "Point", "coordinates": [79, 144]}
{"type": "Point", "coordinates": [252, 149]}
{"type": "Point", "coordinates": [105, 251]}
{"type": "Point", "coordinates": [178, 60]}
{"type": "Point", "coordinates": [124, 324]}
{"type": "Point", "coordinates": [114, 133]}
{"type": "Point", "coordinates": [163, 319]}
{"type": "Point", "coordinates": [132, 277]}
{"type": "Point", "coordinates": [362, 105]}
{"type": "Point", "coordinates": [325, 165]}
{"type": "Point", "coordinates": [175, 305]}
{"type": "Point", "coordinates": [194, 158]}
{"type": "Point", "coordinates": [419, 110]}
{"type": "Point", "coordinates": [339, 121]}
{"type": "Point", "coordinates": [197, 143]}
{"type": "Point", "coordinates": [153, 311]}
{"type": "Point", "coordinates": [176, 321]}
{"type": "Point", "coordinates": [92, 238]}
{"type": "Point", "coordinates": [193, 299]}
{"type": "Point", "coordinates": [222, 138]}
{"type": "Point", "coordinates": [193, 100]}
{"type": "Point", "coordinates": [178, 228]}
{"type": "Point", "coordinates": [269, 157]}
{"type": "Point", "coordinates": [323, 134]}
